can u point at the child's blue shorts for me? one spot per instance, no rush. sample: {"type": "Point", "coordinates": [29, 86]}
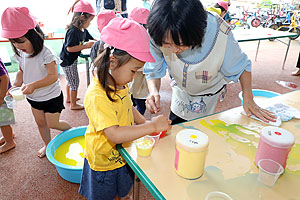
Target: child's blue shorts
{"type": "Point", "coordinates": [105, 185]}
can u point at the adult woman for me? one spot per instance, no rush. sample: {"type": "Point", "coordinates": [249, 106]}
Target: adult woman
{"type": "Point", "coordinates": [202, 56]}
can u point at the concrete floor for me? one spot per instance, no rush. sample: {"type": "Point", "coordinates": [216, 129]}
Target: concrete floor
{"type": "Point", "coordinates": [25, 176]}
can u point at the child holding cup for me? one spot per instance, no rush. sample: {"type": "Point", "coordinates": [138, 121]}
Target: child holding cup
{"type": "Point", "coordinates": [37, 71]}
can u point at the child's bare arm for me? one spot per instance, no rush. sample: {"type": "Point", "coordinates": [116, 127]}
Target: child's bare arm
{"type": "Point", "coordinates": [138, 117]}
{"type": "Point", "coordinates": [80, 47]}
{"type": "Point", "coordinates": [121, 134]}
{"type": "Point", "coordinates": [4, 81]}
{"type": "Point", "coordinates": [47, 80]}
{"type": "Point", "coordinates": [19, 78]}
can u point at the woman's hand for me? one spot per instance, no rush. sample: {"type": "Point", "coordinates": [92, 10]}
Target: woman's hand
{"type": "Point", "coordinates": [251, 108]}
{"type": "Point", "coordinates": [153, 103]}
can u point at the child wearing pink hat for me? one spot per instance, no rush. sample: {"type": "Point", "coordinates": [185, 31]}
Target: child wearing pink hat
{"type": "Point", "coordinates": [102, 20]}
{"type": "Point", "coordinates": [76, 39]}
{"type": "Point", "coordinates": [138, 86]}
{"type": "Point", "coordinates": [220, 8]}
{"type": "Point", "coordinates": [112, 117]}
{"type": "Point", "coordinates": [37, 71]}
{"type": "Point", "coordinates": [6, 114]}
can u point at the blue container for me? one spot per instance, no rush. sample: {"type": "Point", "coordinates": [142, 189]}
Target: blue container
{"type": "Point", "coordinates": [67, 172]}
{"type": "Point", "coordinates": [262, 93]}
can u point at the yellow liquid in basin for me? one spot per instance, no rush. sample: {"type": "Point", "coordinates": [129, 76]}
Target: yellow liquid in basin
{"type": "Point", "coordinates": [71, 152]}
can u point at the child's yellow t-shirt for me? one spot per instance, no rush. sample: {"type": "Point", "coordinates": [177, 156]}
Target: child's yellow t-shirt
{"type": "Point", "coordinates": [100, 152]}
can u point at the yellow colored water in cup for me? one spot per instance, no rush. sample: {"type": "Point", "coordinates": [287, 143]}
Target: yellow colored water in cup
{"type": "Point", "coordinates": [144, 147]}
{"type": "Point", "coordinates": [71, 152]}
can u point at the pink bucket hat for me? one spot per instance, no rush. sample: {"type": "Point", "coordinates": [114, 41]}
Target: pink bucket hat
{"type": "Point", "coordinates": [104, 17]}
{"type": "Point", "coordinates": [139, 15]}
{"type": "Point", "coordinates": [128, 36]}
{"type": "Point", "coordinates": [84, 6]}
{"type": "Point", "coordinates": [16, 21]}
{"type": "Point", "coordinates": [223, 4]}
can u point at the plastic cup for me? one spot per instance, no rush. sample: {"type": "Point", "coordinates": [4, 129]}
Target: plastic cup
{"type": "Point", "coordinates": [10, 102]}
{"type": "Point", "coordinates": [17, 94]}
{"type": "Point", "coordinates": [144, 146]}
{"type": "Point", "coordinates": [269, 171]}
{"type": "Point", "coordinates": [155, 137]}
{"type": "Point", "coordinates": [217, 196]}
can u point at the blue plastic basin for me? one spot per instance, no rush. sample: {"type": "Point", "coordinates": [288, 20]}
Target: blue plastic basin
{"type": "Point", "coordinates": [262, 93]}
{"type": "Point", "coordinates": [67, 172]}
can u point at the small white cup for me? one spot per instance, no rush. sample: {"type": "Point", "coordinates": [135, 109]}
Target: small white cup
{"type": "Point", "coordinates": [155, 137]}
{"type": "Point", "coordinates": [10, 102]}
{"type": "Point", "coordinates": [17, 94]}
{"type": "Point", "coordinates": [216, 195]}
{"type": "Point", "coordinates": [269, 171]}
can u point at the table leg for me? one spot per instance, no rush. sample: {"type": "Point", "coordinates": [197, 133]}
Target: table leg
{"type": "Point", "coordinates": [136, 187]}
{"type": "Point", "coordinates": [87, 64]}
{"type": "Point", "coordinates": [257, 49]}
{"type": "Point", "coordinates": [287, 50]}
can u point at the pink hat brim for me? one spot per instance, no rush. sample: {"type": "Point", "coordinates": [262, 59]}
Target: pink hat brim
{"type": "Point", "coordinates": [13, 34]}
{"type": "Point", "coordinates": [143, 56]}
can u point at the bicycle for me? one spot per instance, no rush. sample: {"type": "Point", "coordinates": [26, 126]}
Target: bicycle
{"type": "Point", "coordinates": [288, 23]}
{"type": "Point", "coordinates": [241, 21]}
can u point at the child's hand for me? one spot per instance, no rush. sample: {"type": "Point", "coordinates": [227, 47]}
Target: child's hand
{"type": "Point", "coordinates": [89, 44]}
{"type": "Point", "coordinates": [28, 89]}
{"type": "Point", "coordinates": [161, 123]}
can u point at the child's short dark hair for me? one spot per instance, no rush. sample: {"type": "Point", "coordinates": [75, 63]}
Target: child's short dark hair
{"type": "Point", "coordinates": [184, 19]}
{"type": "Point", "coordinates": [77, 21]}
{"type": "Point", "coordinates": [102, 64]}
{"type": "Point", "coordinates": [36, 38]}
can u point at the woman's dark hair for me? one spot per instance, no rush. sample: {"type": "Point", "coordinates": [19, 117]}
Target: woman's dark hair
{"type": "Point", "coordinates": [102, 64]}
{"type": "Point", "coordinates": [183, 19]}
{"type": "Point", "coordinates": [218, 6]}
{"type": "Point", "coordinates": [36, 38]}
{"type": "Point", "coordinates": [78, 21]}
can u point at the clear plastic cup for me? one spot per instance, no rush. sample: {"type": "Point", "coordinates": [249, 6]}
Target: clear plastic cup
{"type": "Point", "coordinates": [17, 93]}
{"type": "Point", "coordinates": [269, 171]}
{"type": "Point", "coordinates": [144, 146]}
{"type": "Point", "coordinates": [10, 102]}
{"type": "Point", "coordinates": [216, 195]}
{"type": "Point", "coordinates": [155, 137]}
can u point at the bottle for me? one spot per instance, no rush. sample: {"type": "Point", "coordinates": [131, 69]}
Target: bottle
{"type": "Point", "coordinates": [118, 14]}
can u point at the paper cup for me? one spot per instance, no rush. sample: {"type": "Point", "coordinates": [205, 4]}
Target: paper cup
{"type": "Point", "coordinates": [269, 171]}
